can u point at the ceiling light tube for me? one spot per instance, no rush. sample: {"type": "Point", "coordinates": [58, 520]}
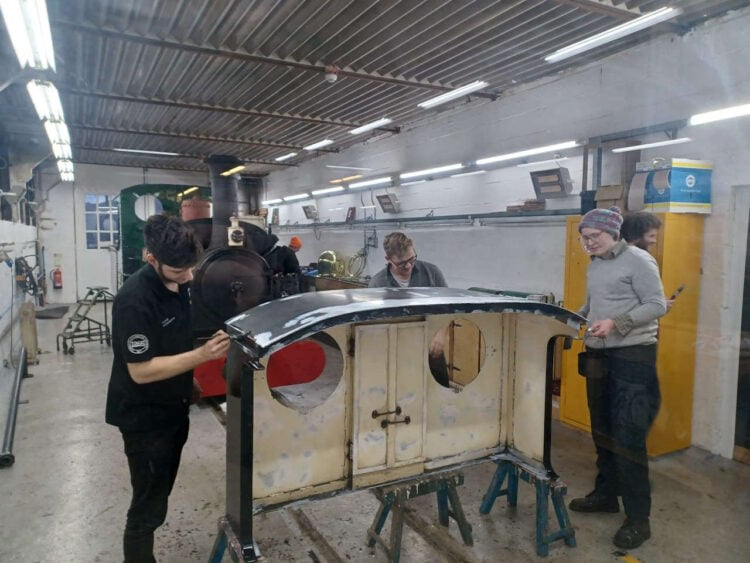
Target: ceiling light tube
{"type": "Point", "coordinates": [62, 151]}
{"type": "Point", "coordinates": [429, 171]}
{"type": "Point", "coordinates": [346, 179]}
{"type": "Point", "coordinates": [141, 151]}
{"type": "Point", "coordinates": [348, 167]}
{"type": "Point", "coordinates": [67, 176]}
{"type": "Point", "coordinates": [658, 16]}
{"type": "Point", "coordinates": [234, 170]}
{"type": "Point", "coordinates": [65, 166]}
{"type": "Point", "coordinates": [373, 182]}
{"type": "Point", "coordinates": [469, 173]}
{"type": "Point", "coordinates": [652, 145]}
{"type": "Point", "coordinates": [328, 190]}
{"type": "Point", "coordinates": [46, 100]}
{"type": "Point", "coordinates": [190, 190]}
{"type": "Point", "coordinates": [453, 94]}
{"type": "Point", "coordinates": [27, 23]}
{"type": "Point", "coordinates": [547, 161]}
{"type": "Point", "coordinates": [371, 126]}
{"type": "Point", "coordinates": [57, 132]}
{"type": "Point", "coordinates": [529, 152]}
{"type": "Point", "coordinates": [719, 114]}
{"type": "Point", "coordinates": [318, 145]}
{"type": "Point", "coordinates": [271, 201]}
{"type": "Point", "coordinates": [296, 197]}
{"type": "Point", "coordinates": [285, 157]}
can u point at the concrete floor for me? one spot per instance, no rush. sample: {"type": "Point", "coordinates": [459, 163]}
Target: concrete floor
{"type": "Point", "coordinates": [65, 498]}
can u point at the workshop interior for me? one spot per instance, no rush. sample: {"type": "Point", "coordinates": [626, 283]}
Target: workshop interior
{"type": "Point", "coordinates": [354, 420]}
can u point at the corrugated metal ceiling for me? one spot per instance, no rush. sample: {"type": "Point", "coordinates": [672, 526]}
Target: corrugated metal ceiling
{"type": "Point", "coordinates": [242, 77]}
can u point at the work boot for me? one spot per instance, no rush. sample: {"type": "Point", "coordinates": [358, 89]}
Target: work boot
{"type": "Point", "coordinates": [632, 533]}
{"type": "Point", "coordinates": [595, 502]}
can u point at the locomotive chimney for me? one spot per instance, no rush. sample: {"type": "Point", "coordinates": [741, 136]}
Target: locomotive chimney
{"type": "Point", "coordinates": [223, 195]}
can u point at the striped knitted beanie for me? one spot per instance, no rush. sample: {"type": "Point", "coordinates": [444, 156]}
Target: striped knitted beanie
{"type": "Point", "coordinates": [607, 220]}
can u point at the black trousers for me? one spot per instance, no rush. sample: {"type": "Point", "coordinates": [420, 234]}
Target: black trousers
{"type": "Point", "coordinates": [153, 458]}
{"type": "Point", "coordinates": [623, 405]}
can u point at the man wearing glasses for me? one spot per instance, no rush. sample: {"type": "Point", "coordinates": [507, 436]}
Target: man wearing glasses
{"type": "Point", "coordinates": [403, 269]}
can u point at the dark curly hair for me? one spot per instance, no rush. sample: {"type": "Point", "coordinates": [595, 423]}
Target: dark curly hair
{"type": "Point", "coordinates": [637, 224]}
{"type": "Point", "coordinates": [171, 241]}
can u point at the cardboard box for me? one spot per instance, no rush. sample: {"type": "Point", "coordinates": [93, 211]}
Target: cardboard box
{"type": "Point", "coordinates": [677, 185]}
{"type": "Point", "coordinates": [607, 196]}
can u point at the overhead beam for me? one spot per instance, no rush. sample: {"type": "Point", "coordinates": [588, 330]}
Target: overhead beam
{"type": "Point", "coordinates": [181, 155]}
{"type": "Point", "coordinates": [625, 14]}
{"type": "Point", "coordinates": [604, 8]}
{"type": "Point", "coordinates": [211, 107]}
{"type": "Point", "coordinates": [159, 166]}
{"type": "Point", "coordinates": [256, 58]}
{"type": "Point", "coordinates": [191, 136]}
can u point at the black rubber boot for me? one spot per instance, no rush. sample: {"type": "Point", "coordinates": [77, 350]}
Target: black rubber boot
{"type": "Point", "coordinates": [632, 533]}
{"type": "Point", "coordinates": [595, 502]}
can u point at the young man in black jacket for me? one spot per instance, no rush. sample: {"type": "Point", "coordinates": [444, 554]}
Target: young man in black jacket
{"type": "Point", "coordinates": [151, 383]}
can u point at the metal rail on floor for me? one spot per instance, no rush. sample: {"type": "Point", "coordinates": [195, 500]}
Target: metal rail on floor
{"type": "Point", "coordinates": [6, 456]}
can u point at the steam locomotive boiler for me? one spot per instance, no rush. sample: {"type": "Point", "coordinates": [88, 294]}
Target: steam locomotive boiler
{"type": "Point", "coordinates": [237, 271]}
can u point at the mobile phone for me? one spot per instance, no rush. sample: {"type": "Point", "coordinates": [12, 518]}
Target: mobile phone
{"type": "Point", "coordinates": [677, 292]}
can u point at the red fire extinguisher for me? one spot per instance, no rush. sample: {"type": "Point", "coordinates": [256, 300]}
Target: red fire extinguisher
{"type": "Point", "coordinates": [56, 278]}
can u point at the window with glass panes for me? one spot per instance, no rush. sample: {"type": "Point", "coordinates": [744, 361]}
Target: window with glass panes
{"type": "Point", "coordinates": [102, 221]}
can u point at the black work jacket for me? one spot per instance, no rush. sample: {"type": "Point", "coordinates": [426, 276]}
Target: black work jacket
{"type": "Point", "coordinates": [148, 321]}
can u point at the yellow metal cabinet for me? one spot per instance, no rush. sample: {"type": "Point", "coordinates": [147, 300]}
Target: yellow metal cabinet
{"type": "Point", "coordinates": [678, 253]}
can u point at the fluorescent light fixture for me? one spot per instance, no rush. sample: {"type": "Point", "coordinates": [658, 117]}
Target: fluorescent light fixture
{"type": "Point", "coordinates": [271, 201]}
{"type": "Point", "coordinates": [27, 23]}
{"type": "Point", "coordinates": [296, 197]}
{"type": "Point", "coordinates": [469, 173]}
{"type": "Point", "coordinates": [658, 16]}
{"type": "Point", "coordinates": [371, 126]}
{"type": "Point", "coordinates": [412, 183]}
{"type": "Point", "coordinates": [348, 167]}
{"type": "Point", "coordinates": [346, 179]}
{"type": "Point", "coordinates": [57, 132]}
{"type": "Point", "coordinates": [528, 152]}
{"type": "Point", "coordinates": [328, 190]}
{"type": "Point", "coordinates": [719, 114]}
{"type": "Point", "coordinates": [453, 94]}
{"type": "Point", "coordinates": [65, 166]}
{"type": "Point", "coordinates": [373, 182]}
{"type": "Point", "coordinates": [319, 145]}
{"type": "Point", "coordinates": [547, 161]}
{"type": "Point", "coordinates": [46, 100]}
{"type": "Point", "coordinates": [190, 190]}
{"type": "Point", "coordinates": [285, 157]}
{"type": "Point", "coordinates": [62, 151]}
{"type": "Point", "coordinates": [141, 151]}
{"type": "Point", "coordinates": [367, 207]}
{"type": "Point", "coordinates": [67, 176]}
{"type": "Point", "coordinates": [652, 145]}
{"type": "Point", "coordinates": [429, 171]}
{"type": "Point", "coordinates": [234, 170]}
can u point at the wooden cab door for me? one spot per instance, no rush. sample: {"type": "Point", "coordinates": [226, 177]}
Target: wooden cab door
{"type": "Point", "coordinates": [389, 402]}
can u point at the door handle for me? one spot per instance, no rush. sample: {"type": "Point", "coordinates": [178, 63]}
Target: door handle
{"type": "Point", "coordinates": [376, 414]}
{"type": "Point", "coordinates": [385, 423]}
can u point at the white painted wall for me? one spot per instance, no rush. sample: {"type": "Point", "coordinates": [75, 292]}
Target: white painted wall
{"type": "Point", "coordinates": [63, 228]}
{"type": "Point", "coordinates": [667, 79]}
